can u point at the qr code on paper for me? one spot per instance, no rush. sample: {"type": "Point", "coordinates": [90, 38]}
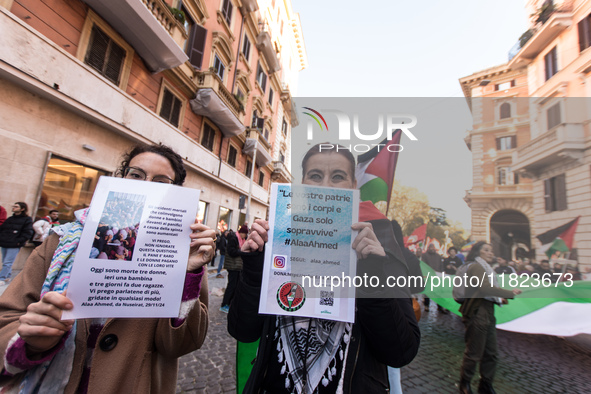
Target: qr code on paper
{"type": "Point", "coordinates": [326, 297]}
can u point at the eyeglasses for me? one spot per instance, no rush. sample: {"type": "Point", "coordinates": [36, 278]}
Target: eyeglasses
{"type": "Point", "coordinates": [140, 175]}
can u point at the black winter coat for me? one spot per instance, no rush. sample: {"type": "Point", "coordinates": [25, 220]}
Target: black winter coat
{"type": "Point", "coordinates": [16, 231]}
{"type": "Point", "coordinates": [233, 261]}
{"type": "Point", "coordinates": [385, 331]}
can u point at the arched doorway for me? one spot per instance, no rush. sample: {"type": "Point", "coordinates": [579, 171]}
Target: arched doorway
{"type": "Point", "coordinates": [510, 234]}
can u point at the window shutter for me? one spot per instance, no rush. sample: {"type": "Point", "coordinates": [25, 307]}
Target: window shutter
{"type": "Point", "coordinates": [166, 106]}
{"type": "Point", "coordinates": [261, 178]}
{"type": "Point", "coordinates": [548, 195]}
{"type": "Point", "coordinates": [197, 46]}
{"type": "Point", "coordinates": [114, 63]}
{"type": "Point", "coordinates": [176, 112]}
{"type": "Point", "coordinates": [584, 34]}
{"type": "Point", "coordinates": [560, 189]}
{"type": "Point", "coordinates": [498, 144]}
{"type": "Point", "coordinates": [505, 110]}
{"type": "Point", "coordinates": [513, 141]}
{"type": "Point", "coordinates": [97, 49]}
{"type": "Point", "coordinates": [553, 116]}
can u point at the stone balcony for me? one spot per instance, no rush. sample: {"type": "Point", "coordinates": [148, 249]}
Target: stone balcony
{"type": "Point", "coordinates": [265, 46]}
{"type": "Point", "coordinates": [216, 102]}
{"type": "Point", "coordinates": [562, 144]}
{"type": "Point", "coordinates": [560, 20]}
{"type": "Point", "coordinates": [209, 79]}
{"type": "Point", "coordinates": [281, 173]}
{"type": "Point", "coordinates": [149, 27]}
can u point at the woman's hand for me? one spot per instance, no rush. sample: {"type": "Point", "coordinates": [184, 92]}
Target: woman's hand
{"type": "Point", "coordinates": [40, 327]}
{"type": "Point", "coordinates": [366, 242]}
{"type": "Point", "coordinates": [202, 246]}
{"type": "Point", "coordinates": [257, 237]}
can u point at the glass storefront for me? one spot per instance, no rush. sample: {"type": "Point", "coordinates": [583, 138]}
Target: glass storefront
{"type": "Point", "coordinates": [225, 219]}
{"type": "Point", "coordinates": [202, 213]}
{"type": "Point", "coordinates": [68, 186]}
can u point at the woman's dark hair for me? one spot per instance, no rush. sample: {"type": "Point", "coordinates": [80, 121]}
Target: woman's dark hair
{"type": "Point", "coordinates": [24, 207]}
{"type": "Point", "coordinates": [326, 147]}
{"type": "Point", "coordinates": [475, 251]}
{"type": "Point", "coordinates": [175, 160]}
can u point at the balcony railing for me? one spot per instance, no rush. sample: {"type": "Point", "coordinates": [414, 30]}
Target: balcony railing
{"type": "Point", "coordinates": [209, 79]}
{"type": "Point", "coordinates": [533, 41]}
{"type": "Point", "coordinates": [280, 171]}
{"type": "Point", "coordinates": [149, 27]}
{"type": "Point", "coordinates": [563, 143]}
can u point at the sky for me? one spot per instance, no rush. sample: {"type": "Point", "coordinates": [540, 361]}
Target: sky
{"type": "Point", "coordinates": [412, 49]}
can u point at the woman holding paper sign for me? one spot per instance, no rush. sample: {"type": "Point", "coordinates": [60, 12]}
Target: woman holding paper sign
{"type": "Point", "coordinates": [307, 355]}
{"type": "Point", "coordinates": [38, 350]}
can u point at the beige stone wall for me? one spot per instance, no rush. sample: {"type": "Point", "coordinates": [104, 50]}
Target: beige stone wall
{"type": "Point", "coordinates": [578, 185]}
{"type": "Point", "coordinates": [32, 127]}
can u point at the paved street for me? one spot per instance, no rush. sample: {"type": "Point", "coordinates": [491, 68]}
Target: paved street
{"type": "Point", "coordinates": [528, 363]}
{"type": "Point", "coordinates": [211, 369]}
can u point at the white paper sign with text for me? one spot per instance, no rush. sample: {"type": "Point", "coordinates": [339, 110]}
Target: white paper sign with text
{"type": "Point", "coordinates": [310, 238]}
{"type": "Point", "coordinates": [132, 257]}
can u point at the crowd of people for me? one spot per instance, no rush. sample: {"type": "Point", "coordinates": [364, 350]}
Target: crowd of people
{"type": "Point", "coordinates": [295, 354]}
{"type": "Point", "coordinates": [117, 230]}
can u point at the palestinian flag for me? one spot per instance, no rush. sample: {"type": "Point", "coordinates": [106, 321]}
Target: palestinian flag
{"type": "Point", "coordinates": [560, 239]}
{"type": "Point", "coordinates": [375, 173]}
{"type": "Point", "coordinates": [562, 309]}
{"type": "Point", "coordinates": [417, 236]}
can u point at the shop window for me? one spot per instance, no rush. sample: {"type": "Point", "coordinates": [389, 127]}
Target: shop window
{"type": "Point", "coordinates": [68, 186]}
{"type": "Point", "coordinates": [202, 213]}
{"type": "Point", "coordinates": [224, 219]}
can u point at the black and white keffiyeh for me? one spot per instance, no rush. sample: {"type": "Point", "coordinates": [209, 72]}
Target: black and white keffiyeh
{"type": "Point", "coordinates": [307, 349]}
{"type": "Point", "coordinates": [491, 274]}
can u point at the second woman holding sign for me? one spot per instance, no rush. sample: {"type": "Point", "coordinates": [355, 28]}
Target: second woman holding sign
{"type": "Point", "coordinates": [324, 356]}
